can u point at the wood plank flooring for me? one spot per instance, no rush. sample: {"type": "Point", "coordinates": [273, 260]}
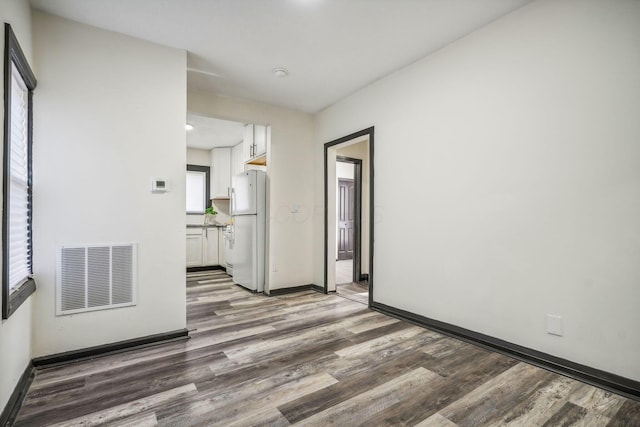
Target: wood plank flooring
{"type": "Point", "coordinates": [315, 360]}
{"type": "Point", "coordinates": [358, 292]}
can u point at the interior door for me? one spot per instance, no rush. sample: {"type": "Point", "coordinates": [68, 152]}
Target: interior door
{"type": "Point", "coordinates": [346, 210]}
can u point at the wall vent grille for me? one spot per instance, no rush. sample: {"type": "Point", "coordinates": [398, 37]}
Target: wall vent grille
{"type": "Point", "coordinates": [95, 277]}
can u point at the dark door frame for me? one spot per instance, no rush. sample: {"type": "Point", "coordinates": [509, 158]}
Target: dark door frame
{"type": "Point", "coordinates": [365, 132]}
{"type": "Point", "coordinates": [357, 215]}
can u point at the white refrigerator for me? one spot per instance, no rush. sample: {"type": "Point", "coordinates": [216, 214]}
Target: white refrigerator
{"type": "Point", "coordinates": [248, 211]}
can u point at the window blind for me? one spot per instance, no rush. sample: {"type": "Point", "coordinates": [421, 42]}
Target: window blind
{"type": "Point", "coordinates": [196, 191]}
{"type": "Point", "coordinates": [19, 201]}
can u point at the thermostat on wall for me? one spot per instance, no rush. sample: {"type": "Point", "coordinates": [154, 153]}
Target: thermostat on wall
{"type": "Point", "coordinates": [159, 185]}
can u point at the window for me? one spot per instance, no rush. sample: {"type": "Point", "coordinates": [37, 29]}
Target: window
{"type": "Point", "coordinates": [198, 183]}
{"type": "Point", "coordinates": [19, 83]}
{"type": "Point", "coordinates": [196, 188]}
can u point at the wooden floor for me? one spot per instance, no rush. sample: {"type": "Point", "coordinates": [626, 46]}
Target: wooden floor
{"type": "Point", "coordinates": [358, 292]}
{"type": "Point", "coordinates": [310, 359]}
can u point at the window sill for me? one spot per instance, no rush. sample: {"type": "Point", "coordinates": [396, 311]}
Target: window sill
{"type": "Point", "coordinates": [17, 297]}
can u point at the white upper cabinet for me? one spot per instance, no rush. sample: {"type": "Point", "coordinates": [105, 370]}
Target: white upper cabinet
{"type": "Point", "coordinates": [220, 172]}
{"type": "Point", "coordinates": [259, 140]}
{"type": "Point", "coordinates": [237, 161]}
{"type": "Point", "coordinates": [255, 142]}
{"type": "Point", "coordinates": [247, 143]}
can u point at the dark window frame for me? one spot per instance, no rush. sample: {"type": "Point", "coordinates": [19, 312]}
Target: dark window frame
{"type": "Point", "coordinates": [13, 55]}
{"type": "Point", "coordinates": [207, 171]}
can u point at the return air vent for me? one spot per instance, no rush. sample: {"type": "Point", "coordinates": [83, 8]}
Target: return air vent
{"type": "Point", "coordinates": [95, 277]}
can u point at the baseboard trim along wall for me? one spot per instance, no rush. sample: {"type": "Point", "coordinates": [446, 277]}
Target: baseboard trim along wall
{"type": "Point", "coordinates": [318, 288]}
{"type": "Point", "coordinates": [112, 348]}
{"type": "Point", "coordinates": [596, 377]}
{"type": "Point", "coordinates": [284, 291]}
{"type": "Point", "coordinates": [205, 268]}
{"type": "Point", "coordinates": [10, 411]}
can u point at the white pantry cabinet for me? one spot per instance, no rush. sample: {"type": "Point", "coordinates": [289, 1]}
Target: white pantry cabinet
{"type": "Point", "coordinates": [220, 172]}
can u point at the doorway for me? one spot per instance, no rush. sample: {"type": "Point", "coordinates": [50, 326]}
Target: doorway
{"type": "Point", "coordinates": [348, 216]}
{"type": "Point", "coordinates": [349, 281]}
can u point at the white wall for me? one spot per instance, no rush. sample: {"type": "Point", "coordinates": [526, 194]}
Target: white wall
{"type": "Point", "coordinates": [290, 182]}
{"type": "Point", "coordinates": [196, 156]}
{"type": "Point", "coordinates": [15, 332]}
{"type": "Point", "coordinates": [104, 102]}
{"type": "Point", "coordinates": [514, 156]}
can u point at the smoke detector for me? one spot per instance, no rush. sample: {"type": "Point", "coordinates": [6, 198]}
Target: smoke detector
{"type": "Point", "coordinates": [280, 72]}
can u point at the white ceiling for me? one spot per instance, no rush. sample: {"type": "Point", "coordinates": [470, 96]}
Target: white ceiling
{"type": "Point", "coordinates": [330, 47]}
{"type": "Point", "coordinates": [208, 132]}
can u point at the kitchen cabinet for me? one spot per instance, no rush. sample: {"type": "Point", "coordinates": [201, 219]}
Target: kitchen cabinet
{"type": "Point", "coordinates": [255, 140]}
{"type": "Point", "coordinates": [259, 140]}
{"type": "Point", "coordinates": [202, 246]}
{"type": "Point", "coordinates": [220, 172]}
{"type": "Point", "coordinates": [210, 246]}
{"type": "Point", "coordinates": [194, 248]}
{"type": "Point", "coordinates": [222, 259]}
{"type": "Point", "coordinates": [247, 143]}
{"type": "Point", "coordinates": [237, 163]}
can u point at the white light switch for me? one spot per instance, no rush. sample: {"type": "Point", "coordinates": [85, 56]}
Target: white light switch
{"type": "Point", "coordinates": [554, 324]}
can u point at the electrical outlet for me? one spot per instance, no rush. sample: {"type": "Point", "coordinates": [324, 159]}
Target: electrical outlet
{"type": "Point", "coordinates": [554, 324]}
{"type": "Point", "coordinates": [274, 268]}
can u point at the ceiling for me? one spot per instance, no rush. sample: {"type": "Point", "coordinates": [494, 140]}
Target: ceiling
{"type": "Point", "coordinates": [331, 48]}
{"type": "Point", "coordinates": [208, 132]}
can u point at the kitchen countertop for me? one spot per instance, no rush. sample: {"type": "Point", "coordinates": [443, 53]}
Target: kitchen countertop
{"type": "Point", "coordinates": [206, 226]}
